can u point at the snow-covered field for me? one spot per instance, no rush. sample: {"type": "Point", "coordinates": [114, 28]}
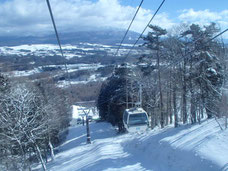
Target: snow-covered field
{"type": "Point", "coordinates": [190, 147]}
{"type": "Point", "coordinates": [92, 78]}
{"type": "Point", "coordinates": [70, 51]}
{"type": "Point", "coordinates": [37, 50]}
{"type": "Point", "coordinates": [70, 67]}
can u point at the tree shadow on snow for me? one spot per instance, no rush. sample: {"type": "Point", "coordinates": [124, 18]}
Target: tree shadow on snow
{"type": "Point", "coordinates": [225, 167]}
{"type": "Point", "coordinates": [140, 152]}
{"type": "Point", "coordinates": [158, 155]}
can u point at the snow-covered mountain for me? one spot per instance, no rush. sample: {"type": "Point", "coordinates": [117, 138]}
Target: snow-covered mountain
{"type": "Point", "coordinates": [106, 36]}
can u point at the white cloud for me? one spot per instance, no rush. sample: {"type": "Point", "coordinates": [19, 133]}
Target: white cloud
{"type": "Point", "coordinates": [199, 16]}
{"type": "Point", "coordinates": [203, 17]}
{"type": "Point", "coordinates": [32, 16]}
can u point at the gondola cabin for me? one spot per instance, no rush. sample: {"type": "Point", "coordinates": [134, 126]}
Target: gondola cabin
{"type": "Point", "coordinates": [135, 120]}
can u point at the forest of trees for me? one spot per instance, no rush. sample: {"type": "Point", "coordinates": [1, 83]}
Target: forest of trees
{"type": "Point", "coordinates": [33, 119]}
{"type": "Point", "coordinates": [183, 79]}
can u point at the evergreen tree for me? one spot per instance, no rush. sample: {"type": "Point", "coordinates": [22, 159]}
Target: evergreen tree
{"type": "Point", "coordinates": [155, 43]}
{"type": "Point", "coordinates": [112, 98]}
{"type": "Point", "coordinates": [205, 69]}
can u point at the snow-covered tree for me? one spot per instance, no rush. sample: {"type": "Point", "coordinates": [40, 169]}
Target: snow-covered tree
{"type": "Point", "coordinates": [23, 122]}
{"type": "Point", "coordinates": [191, 74]}
{"type": "Point", "coordinates": [205, 70]}
{"type": "Point", "coordinates": [58, 111]}
{"type": "Point", "coordinates": [32, 120]}
{"type": "Point", "coordinates": [154, 42]}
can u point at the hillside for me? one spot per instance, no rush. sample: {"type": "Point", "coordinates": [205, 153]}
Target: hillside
{"type": "Point", "coordinates": [189, 147]}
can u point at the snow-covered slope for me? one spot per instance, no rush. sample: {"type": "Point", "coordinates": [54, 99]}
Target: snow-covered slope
{"type": "Point", "coordinates": [190, 147]}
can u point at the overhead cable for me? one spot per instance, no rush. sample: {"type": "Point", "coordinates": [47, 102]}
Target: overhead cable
{"type": "Point", "coordinates": [129, 27]}
{"type": "Point", "coordinates": [145, 28]}
{"type": "Point", "coordinates": [57, 36]}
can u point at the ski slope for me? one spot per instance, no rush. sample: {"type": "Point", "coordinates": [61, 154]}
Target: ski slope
{"type": "Point", "coordinates": [201, 147]}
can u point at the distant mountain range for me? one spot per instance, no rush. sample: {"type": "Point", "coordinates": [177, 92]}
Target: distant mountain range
{"type": "Point", "coordinates": [108, 37]}
{"type": "Point", "coordinates": [105, 36]}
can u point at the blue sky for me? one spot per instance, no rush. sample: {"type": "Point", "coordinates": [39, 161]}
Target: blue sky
{"type": "Point", "coordinates": [174, 7]}
{"type": "Point", "coordinates": [29, 17]}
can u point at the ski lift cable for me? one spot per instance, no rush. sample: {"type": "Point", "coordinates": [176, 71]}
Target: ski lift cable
{"type": "Point", "coordinates": [57, 37]}
{"type": "Point", "coordinates": [129, 27]}
{"type": "Point", "coordinates": [145, 28]}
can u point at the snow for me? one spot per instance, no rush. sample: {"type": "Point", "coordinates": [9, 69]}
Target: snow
{"type": "Point", "coordinates": [71, 68]}
{"type": "Point", "coordinates": [130, 45]}
{"type": "Point", "coordinates": [39, 50]}
{"type": "Point", "coordinates": [212, 71]}
{"type": "Point", "coordinates": [79, 112]}
{"type": "Point", "coordinates": [43, 50]}
{"type": "Point", "coordinates": [69, 51]}
{"type": "Point", "coordinates": [96, 45]}
{"type": "Point", "coordinates": [186, 148]}
{"type": "Point", "coordinates": [23, 73]}
{"type": "Point", "coordinates": [91, 78]}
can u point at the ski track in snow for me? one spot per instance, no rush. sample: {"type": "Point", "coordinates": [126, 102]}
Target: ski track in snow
{"type": "Point", "coordinates": [190, 147]}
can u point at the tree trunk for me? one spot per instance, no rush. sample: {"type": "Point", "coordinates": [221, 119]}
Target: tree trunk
{"type": "Point", "coordinates": [201, 104]}
{"type": "Point", "coordinates": [226, 122]}
{"type": "Point", "coordinates": [40, 157]}
{"type": "Point", "coordinates": [170, 100]}
{"type": "Point", "coordinates": [199, 114]}
{"type": "Point", "coordinates": [152, 120]}
{"type": "Point", "coordinates": [184, 95]}
{"type": "Point", "coordinates": [52, 150]}
{"type": "Point", "coordinates": [175, 106]}
{"type": "Point", "coordinates": [192, 100]}
{"type": "Point", "coordinates": [160, 92]}
{"type": "Point", "coordinates": [126, 94]}
{"type": "Point", "coordinates": [193, 108]}
{"type": "Point", "coordinates": [167, 108]}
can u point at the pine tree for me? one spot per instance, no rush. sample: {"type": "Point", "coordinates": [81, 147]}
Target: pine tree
{"type": "Point", "coordinates": [205, 70]}
{"type": "Point", "coordinates": [112, 98]}
{"type": "Point", "coordinates": [155, 43]}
